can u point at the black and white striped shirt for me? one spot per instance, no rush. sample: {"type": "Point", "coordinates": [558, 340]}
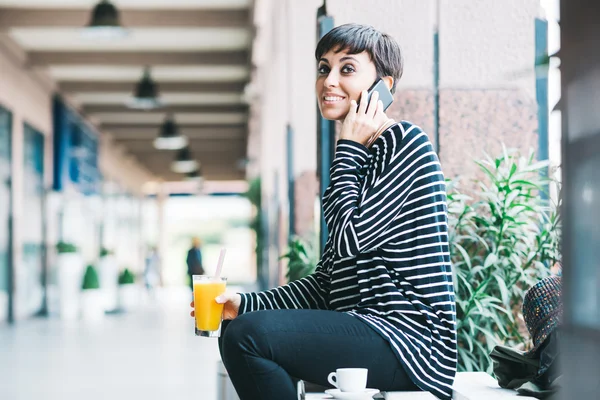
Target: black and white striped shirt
{"type": "Point", "coordinates": [387, 258]}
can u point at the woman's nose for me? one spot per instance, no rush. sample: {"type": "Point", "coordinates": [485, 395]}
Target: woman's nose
{"type": "Point", "coordinates": [332, 80]}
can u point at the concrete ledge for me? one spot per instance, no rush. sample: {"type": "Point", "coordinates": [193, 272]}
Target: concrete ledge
{"type": "Point", "coordinates": [409, 396]}
{"type": "Point", "coordinates": [479, 385]}
{"type": "Point", "coordinates": [467, 386]}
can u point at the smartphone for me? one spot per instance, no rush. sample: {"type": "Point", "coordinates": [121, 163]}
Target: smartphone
{"type": "Point", "coordinates": [384, 93]}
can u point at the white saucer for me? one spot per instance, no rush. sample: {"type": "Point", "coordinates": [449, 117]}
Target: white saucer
{"type": "Point", "coordinates": [366, 394]}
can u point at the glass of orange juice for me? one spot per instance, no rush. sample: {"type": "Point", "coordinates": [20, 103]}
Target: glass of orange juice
{"type": "Point", "coordinates": [208, 312]}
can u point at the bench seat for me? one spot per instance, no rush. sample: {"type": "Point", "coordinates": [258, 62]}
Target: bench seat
{"type": "Point", "coordinates": [467, 386]}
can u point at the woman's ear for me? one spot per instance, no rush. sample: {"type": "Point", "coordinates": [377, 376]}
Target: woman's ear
{"type": "Point", "coordinates": [389, 81]}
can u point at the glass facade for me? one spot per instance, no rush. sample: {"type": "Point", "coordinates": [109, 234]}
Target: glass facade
{"type": "Point", "coordinates": [79, 224]}
{"type": "Point", "coordinates": [29, 278]}
{"type": "Point", "coordinates": [77, 178]}
{"type": "Point", "coordinates": [121, 226]}
{"type": "Point", "coordinates": [5, 210]}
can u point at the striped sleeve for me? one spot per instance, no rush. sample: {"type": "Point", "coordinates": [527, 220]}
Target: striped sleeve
{"type": "Point", "coordinates": [357, 221]}
{"type": "Point", "coordinates": [310, 292]}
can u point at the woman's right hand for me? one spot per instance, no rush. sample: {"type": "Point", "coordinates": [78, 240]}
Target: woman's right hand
{"type": "Point", "coordinates": [361, 125]}
{"type": "Point", "coordinates": [231, 304]}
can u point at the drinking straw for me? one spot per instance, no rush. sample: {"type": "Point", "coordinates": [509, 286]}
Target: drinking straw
{"type": "Point", "coordinates": [220, 263]}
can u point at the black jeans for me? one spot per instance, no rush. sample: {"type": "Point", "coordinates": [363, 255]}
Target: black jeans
{"type": "Point", "coordinates": [263, 350]}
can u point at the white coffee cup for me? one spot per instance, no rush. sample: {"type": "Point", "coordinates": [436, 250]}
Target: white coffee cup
{"type": "Point", "coordinates": [349, 379]}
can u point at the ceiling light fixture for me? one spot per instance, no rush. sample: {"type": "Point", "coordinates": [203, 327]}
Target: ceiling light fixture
{"type": "Point", "coordinates": [196, 178]}
{"type": "Point", "coordinates": [105, 22]}
{"type": "Point", "coordinates": [146, 93]}
{"type": "Point", "coordinates": [169, 137]}
{"type": "Point", "coordinates": [184, 163]}
{"type": "Point", "coordinates": [195, 175]}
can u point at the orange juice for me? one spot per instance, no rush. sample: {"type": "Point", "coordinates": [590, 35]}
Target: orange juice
{"type": "Point", "coordinates": [208, 311]}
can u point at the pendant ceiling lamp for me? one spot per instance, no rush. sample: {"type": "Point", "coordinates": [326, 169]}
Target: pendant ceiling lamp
{"type": "Point", "coordinates": [105, 22]}
{"type": "Point", "coordinates": [195, 175]}
{"type": "Point", "coordinates": [184, 163]}
{"type": "Point", "coordinates": [169, 137]}
{"type": "Point", "coordinates": [146, 93]}
{"type": "Point", "coordinates": [196, 178]}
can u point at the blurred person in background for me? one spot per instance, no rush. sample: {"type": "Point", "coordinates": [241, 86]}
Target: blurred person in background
{"type": "Point", "coordinates": [194, 261]}
{"type": "Point", "coordinates": [152, 270]}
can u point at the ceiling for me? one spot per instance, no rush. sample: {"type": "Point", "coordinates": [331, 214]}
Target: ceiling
{"type": "Point", "coordinates": [199, 54]}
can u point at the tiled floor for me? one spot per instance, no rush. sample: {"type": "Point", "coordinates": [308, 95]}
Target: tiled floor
{"type": "Point", "coordinates": [149, 354]}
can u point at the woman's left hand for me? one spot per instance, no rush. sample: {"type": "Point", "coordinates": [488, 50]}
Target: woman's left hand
{"type": "Point", "coordinates": [362, 124]}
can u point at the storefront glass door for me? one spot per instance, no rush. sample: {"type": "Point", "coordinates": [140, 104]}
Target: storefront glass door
{"type": "Point", "coordinates": [30, 277]}
{"type": "Point", "coordinates": [5, 210]}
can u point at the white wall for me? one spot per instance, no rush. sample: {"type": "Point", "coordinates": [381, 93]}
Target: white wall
{"type": "Point", "coordinates": [488, 44]}
{"type": "Point", "coordinates": [29, 98]}
{"type": "Point", "coordinates": [302, 72]}
{"type": "Point", "coordinates": [284, 84]}
{"type": "Point", "coordinates": [117, 166]}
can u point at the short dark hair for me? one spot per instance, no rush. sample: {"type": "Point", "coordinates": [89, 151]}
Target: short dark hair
{"type": "Point", "coordinates": [383, 49]}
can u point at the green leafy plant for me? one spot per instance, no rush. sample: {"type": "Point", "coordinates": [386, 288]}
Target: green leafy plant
{"type": "Point", "coordinates": [254, 195]}
{"type": "Point", "coordinates": [301, 257]}
{"type": "Point", "coordinates": [502, 241]}
{"type": "Point", "coordinates": [105, 252]}
{"type": "Point", "coordinates": [126, 277]}
{"type": "Point", "coordinates": [65, 247]}
{"type": "Point", "coordinates": [90, 279]}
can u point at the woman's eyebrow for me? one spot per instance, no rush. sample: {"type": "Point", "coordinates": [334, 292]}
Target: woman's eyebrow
{"type": "Point", "coordinates": [349, 58]}
{"type": "Point", "coordinates": [346, 58]}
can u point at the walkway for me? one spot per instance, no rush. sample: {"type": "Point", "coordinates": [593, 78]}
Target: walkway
{"type": "Point", "coordinates": [149, 354]}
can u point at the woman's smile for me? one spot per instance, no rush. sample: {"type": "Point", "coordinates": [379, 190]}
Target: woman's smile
{"type": "Point", "coordinates": [333, 99]}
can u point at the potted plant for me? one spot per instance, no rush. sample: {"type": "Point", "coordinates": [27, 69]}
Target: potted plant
{"type": "Point", "coordinates": [108, 274]}
{"type": "Point", "coordinates": [128, 291]}
{"type": "Point", "coordinates": [69, 268]}
{"type": "Point", "coordinates": [504, 237]}
{"type": "Point", "coordinates": [301, 258]}
{"type": "Point", "coordinates": [66, 248]}
{"type": "Point", "coordinates": [92, 301]}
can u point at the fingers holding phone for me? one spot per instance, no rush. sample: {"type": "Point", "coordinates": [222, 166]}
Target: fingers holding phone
{"type": "Point", "coordinates": [383, 93]}
{"type": "Point", "coordinates": [367, 103]}
{"type": "Point", "coordinates": [361, 124]}
{"type": "Point", "coordinates": [364, 120]}
{"type": "Point", "coordinates": [374, 105]}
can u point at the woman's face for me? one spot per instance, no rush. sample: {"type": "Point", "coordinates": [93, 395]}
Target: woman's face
{"type": "Point", "coordinates": [341, 78]}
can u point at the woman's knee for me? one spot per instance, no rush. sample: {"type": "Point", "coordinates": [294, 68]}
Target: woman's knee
{"type": "Point", "coordinates": [244, 332]}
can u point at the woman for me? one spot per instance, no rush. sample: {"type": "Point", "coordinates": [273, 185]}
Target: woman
{"type": "Point", "coordinates": [381, 296]}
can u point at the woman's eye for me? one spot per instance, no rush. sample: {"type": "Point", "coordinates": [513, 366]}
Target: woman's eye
{"type": "Point", "coordinates": [347, 69]}
{"type": "Point", "coordinates": [323, 69]}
